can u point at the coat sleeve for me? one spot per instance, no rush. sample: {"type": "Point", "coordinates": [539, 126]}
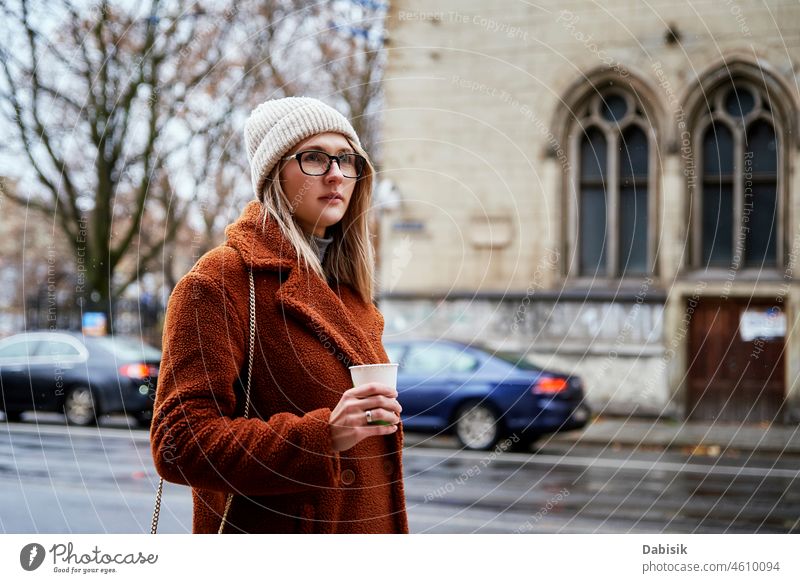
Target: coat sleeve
{"type": "Point", "coordinates": [197, 438]}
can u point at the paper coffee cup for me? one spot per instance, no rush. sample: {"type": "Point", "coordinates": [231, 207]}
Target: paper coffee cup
{"type": "Point", "coordinates": [386, 374]}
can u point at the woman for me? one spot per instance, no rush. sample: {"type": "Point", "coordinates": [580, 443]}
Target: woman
{"type": "Point", "coordinates": [307, 459]}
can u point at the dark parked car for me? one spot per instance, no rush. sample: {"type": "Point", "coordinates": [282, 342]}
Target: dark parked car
{"type": "Point", "coordinates": [81, 376]}
{"type": "Point", "coordinates": [480, 395]}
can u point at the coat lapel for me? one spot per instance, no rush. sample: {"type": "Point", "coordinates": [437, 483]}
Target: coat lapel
{"type": "Point", "coordinates": [319, 308]}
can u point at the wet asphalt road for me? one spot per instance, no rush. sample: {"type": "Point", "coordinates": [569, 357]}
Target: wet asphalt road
{"type": "Point", "coordinates": [56, 479]}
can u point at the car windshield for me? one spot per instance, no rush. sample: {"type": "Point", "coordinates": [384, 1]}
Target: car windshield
{"type": "Point", "coordinates": [126, 348]}
{"type": "Point", "coordinates": [517, 359]}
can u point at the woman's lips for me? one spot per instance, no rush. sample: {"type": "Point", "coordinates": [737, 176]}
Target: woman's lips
{"type": "Point", "coordinates": [332, 198]}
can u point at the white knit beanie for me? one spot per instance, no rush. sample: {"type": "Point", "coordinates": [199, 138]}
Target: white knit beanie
{"type": "Point", "coordinates": [275, 126]}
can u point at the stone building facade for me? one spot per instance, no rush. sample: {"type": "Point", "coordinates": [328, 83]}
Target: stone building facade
{"type": "Point", "coordinates": [612, 188]}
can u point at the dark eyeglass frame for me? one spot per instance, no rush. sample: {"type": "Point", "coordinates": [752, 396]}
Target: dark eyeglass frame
{"type": "Point", "coordinates": [361, 162]}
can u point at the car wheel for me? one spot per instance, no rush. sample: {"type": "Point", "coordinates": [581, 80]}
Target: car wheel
{"type": "Point", "coordinates": [79, 407]}
{"type": "Point", "coordinates": [144, 419]}
{"type": "Point", "coordinates": [477, 426]}
{"type": "Point", "coordinates": [12, 416]}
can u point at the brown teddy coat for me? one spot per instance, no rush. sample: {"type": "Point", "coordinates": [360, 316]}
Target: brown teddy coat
{"type": "Point", "coordinates": [280, 461]}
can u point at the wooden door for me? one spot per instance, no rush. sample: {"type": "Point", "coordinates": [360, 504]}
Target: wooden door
{"type": "Point", "coordinates": [736, 373]}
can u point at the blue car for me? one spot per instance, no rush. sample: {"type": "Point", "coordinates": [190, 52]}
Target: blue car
{"type": "Point", "coordinates": [480, 395]}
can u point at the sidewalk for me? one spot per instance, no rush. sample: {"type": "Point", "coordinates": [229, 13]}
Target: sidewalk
{"type": "Point", "coordinates": [704, 438]}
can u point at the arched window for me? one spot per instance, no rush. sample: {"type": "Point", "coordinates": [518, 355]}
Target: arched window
{"type": "Point", "coordinates": [737, 223]}
{"type": "Point", "coordinates": [612, 203]}
{"type": "Point", "coordinates": [740, 126]}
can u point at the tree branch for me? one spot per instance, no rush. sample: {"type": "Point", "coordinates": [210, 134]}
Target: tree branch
{"type": "Point", "coordinates": [61, 167]}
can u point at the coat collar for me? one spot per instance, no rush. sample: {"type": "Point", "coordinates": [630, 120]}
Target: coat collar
{"type": "Point", "coordinates": [261, 247]}
{"type": "Point", "coordinates": [339, 317]}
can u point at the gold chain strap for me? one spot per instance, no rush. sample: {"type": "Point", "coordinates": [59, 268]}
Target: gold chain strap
{"type": "Point", "coordinates": [157, 509]}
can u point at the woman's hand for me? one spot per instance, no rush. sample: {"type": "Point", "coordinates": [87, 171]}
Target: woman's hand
{"type": "Point", "coordinates": [348, 421]}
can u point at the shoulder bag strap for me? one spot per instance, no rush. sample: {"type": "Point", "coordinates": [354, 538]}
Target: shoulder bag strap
{"type": "Point", "coordinates": [252, 337]}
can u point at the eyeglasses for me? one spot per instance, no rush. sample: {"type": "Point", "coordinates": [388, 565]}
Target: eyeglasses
{"type": "Point", "coordinates": [316, 163]}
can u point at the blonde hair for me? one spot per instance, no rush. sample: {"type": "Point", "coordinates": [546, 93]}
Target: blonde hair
{"type": "Point", "coordinates": [349, 258]}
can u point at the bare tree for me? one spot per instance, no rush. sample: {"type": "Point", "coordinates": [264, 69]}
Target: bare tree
{"type": "Point", "coordinates": [34, 268]}
{"type": "Point", "coordinates": [100, 101]}
{"type": "Point", "coordinates": [127, 122]}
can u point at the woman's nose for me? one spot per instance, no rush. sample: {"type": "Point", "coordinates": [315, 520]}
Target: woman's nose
{"type": "Point", "coordinates": [334, 172]}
